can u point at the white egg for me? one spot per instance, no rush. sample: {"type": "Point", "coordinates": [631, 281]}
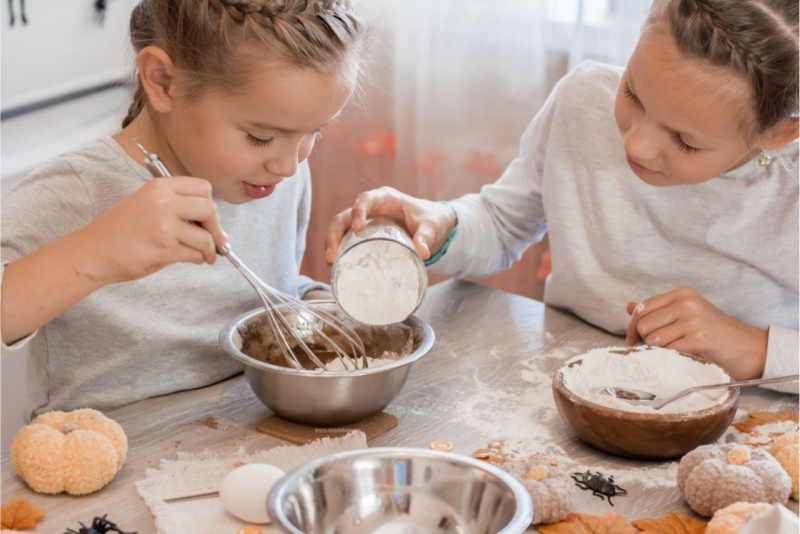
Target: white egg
{"type": "Point", "coordinates": [244, 491]}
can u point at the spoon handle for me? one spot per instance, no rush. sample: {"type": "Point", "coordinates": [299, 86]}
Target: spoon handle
{"type": "Point", "coordinates": [658, 404]}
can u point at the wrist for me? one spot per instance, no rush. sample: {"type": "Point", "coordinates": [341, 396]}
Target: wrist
{"type": "Point", "coordinates": [91, 263]}
{"type": "Point", "coordinates": [450, 217]}
{"type": "Point", "coordinates": [751, 357]}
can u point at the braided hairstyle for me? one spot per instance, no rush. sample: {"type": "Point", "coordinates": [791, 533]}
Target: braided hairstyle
{"type": "Point", "coordinates": [757, 39]}
{"type": "Point", "coordinates": [213, 41]}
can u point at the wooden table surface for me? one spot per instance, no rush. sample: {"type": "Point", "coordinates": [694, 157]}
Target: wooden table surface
{"type": "Point", "coordinates": [486, 379]}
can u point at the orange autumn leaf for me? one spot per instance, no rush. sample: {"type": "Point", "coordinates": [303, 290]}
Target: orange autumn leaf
{"type": "Point", "coordinates": [672, 524]}
{"type": "Point", "coordinates": [19, 514]}
{"type": "Point", "coordinates": [756, 419]}
{"type": "Point", "coordinates": [611, 523]}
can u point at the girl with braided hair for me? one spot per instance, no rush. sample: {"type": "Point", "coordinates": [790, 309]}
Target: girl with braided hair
{"type": "Point", "coordinates": [97, 280]}
{"type": "Point", "coordinates": [669, 190]}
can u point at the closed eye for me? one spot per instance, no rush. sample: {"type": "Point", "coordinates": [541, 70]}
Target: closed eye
{"type": "Point", "coordinates": [260, 142]}
{"type": "Point", "coordinates": [629, 94]}
{"type": "Point", "coordinates": [683, 146]}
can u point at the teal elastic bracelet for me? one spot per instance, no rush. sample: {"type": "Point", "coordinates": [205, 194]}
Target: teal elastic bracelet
{"type": "Point", "coordinates": [450, 237]}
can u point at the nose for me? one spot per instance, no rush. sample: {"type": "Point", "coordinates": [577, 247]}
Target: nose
{"type": "Point", "coordinates": [284, 163]}
{"type": "Point", "coordinates": [639, 142]}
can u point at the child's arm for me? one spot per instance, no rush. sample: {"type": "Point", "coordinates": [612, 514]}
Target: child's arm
{"type": "Point", "coordinates": [138, 236]}
{"type": "Point", "coordinates": [683, 320]}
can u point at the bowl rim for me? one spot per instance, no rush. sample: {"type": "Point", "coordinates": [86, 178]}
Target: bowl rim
{"type": "Point", "coordinates": [523, 515]}
{"type": "Point", "coordinates": [559, 385]}
{"type": "Point", "coordinates": [226, 342]}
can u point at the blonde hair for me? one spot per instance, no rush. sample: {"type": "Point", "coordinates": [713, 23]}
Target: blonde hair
{"type": "Point", "coordinates": [757, 39]}
{"type": "Point", "coordinates": [212, 42]}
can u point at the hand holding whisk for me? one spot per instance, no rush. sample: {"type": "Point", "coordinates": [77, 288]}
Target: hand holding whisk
{"type": "Point", "coordinates": [278, 305]}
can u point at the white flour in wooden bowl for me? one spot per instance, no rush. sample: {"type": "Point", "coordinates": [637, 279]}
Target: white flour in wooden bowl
{"type": "Point", "coordinates": [378, 282]}
{"type": "Point", "coordinates": [654, 369]}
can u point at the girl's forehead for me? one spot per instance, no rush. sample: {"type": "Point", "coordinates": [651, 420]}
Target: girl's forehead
{"type": "Point", "coordinates": [290, 98]}
{"type": "Point", "coordinates": [687, 93]}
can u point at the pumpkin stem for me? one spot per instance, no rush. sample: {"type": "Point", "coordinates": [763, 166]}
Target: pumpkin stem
{"type": "Point", "coordinates": [537, 472]}
{"type": "Point", "coordinates": [69, 427]}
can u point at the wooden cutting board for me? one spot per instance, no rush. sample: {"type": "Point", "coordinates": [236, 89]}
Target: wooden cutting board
{"type": "Point", "coordinates": [301, 434]}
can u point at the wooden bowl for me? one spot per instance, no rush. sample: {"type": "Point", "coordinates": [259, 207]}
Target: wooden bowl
{"type": "Point", "coordinates": [641, 435]}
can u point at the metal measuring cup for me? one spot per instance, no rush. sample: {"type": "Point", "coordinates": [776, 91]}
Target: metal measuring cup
{"type": "Point", "coordinates": [378, 278]}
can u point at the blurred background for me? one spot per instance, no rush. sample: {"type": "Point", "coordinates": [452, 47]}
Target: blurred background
{"type": "Point", "coordinates": [452, 85]}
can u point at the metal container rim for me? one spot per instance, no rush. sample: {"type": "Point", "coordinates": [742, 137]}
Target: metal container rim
{"type": "Point", "coordinates": [523, 515]}
{"type": "Point", "coordinates": [226, 341]}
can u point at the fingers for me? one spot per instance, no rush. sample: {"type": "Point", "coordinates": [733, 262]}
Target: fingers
{"type": "Point", "coordinates": [199, 240]}
{"type": "Point", "coordinates": [640, 310]}
{"type": "Point", "coordinates": [187, 254]}
{"type": "Point", "coordinates": [423, 238]}
{"type": "Point", "coordinates": [336, 230]}
{"type": "Point", "coordinates": [635, 309]}
{"type": "Point", "coordinates": [204, 211]}
{"type": "Point", "coordinates": [651, 320]}
{"type": "Point", "coordinates": [665, 336]}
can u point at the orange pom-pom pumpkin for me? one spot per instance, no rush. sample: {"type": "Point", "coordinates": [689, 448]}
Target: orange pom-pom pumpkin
{"type": "Point", "coordinates": [78, 452]}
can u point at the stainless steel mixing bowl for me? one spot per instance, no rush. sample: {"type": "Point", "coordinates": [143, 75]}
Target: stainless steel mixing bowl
{"type": "Point", "coordinates": [318, 398]}
{"type": "Point", "coordinates": [399, 491]}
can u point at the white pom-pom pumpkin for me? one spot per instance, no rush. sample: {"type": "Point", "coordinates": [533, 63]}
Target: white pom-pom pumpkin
{"type": "Point", "coordinates": [78, 452]}
{"type": "Point", "coordinates": [550, 487]}
{"type": "Point", "coordinates": [712, 477]}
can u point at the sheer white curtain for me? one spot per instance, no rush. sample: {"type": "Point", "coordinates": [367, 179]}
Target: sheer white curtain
{"type": "Point", "coordinates": [453, 85]}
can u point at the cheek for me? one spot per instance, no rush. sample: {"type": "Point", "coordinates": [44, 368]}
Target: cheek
{"type": "Point", "coordinates": [305, 148]}
{"type": "Point", "coordinates": [622, 113]}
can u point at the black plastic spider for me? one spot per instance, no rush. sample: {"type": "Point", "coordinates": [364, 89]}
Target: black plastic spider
{"type": "Point", "coordinates": [100, 525]}
{"type": "Point", "coordinates": [598, 485]}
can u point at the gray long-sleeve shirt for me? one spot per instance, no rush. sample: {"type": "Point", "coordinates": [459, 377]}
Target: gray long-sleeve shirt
{"type": "Point", "coordinates": [156, 335]}
{"type": "Point", "coordinates": [614, 238]}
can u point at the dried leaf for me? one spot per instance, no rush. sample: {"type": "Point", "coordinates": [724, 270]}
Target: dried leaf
{"type": "Point", "coordinates": [611, 523]}
{"type": "Point", "coordinates": [756, 419]}
{"type": "Point", "coordinates": [672, 524]}
{"type": "Point", "coordinates": [19, 514]}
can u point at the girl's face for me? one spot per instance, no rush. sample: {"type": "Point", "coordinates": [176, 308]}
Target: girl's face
{"type": "Point", "coordinates": [680, 118]}
{"type": "Point", "coordinates": [246, 142]}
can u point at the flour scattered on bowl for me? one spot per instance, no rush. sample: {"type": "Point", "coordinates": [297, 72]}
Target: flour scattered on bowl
{"type": "Point", "coordinates": [654, 369]}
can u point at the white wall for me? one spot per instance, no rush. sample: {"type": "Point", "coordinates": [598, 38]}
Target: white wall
{"type": "Point", "coordinates": [62, 49]}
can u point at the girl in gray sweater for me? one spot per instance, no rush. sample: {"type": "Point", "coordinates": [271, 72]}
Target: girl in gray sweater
{"type": "Point", "coordinates": [97, 279]}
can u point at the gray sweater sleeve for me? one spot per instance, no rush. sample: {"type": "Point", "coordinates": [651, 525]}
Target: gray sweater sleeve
{"type": "Point", "coordinates": [506, 217]}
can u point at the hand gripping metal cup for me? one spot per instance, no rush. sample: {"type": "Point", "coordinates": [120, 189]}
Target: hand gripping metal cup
{"type": "Point", "coordinates": [378, 278]}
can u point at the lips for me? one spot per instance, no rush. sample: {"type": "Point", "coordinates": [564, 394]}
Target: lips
{"type": "Point", "coordinates": [637, 168]}
{"type": "Point", "coordinates": [258, 191]}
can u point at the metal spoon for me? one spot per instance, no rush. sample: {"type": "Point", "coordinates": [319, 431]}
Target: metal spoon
{"type": "Point", "coordinates": [635, 396]}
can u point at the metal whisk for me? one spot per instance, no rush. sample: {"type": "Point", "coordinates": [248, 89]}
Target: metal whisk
{"type": "Point", "coordinates": [310, 319]}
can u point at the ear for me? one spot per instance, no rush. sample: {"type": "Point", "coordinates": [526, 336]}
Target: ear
{"type": "Point", "coordinates": [157, 73]}
{"type": "Point", "coordinates": [781, 135]}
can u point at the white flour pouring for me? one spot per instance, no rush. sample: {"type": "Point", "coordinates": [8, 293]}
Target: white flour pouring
{"type": "Point", "coordinates": [378, 278]}
{"type": "Point", "coordinates": [660, 371]}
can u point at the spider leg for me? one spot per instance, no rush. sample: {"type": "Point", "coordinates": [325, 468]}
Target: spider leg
{"type": "Point", "coordinates": [11, 12]}
{"type": "Point", "coordinates": [582, 486]}
{"type": "Point", "coordinates": [609, 500]}
{"type": "Point", "coordinates": [22, 12]}
{"type": "Point", "coordinates": [600, 495]}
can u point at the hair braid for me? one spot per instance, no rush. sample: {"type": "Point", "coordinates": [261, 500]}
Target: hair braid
{"type": "Point", "coordinates": [212, 40]}
{"type": "Point", "coordinates": [755, 38]}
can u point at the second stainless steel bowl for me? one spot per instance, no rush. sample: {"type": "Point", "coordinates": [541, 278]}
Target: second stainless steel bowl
{"type": "Point", "coordinates": [399, 491]}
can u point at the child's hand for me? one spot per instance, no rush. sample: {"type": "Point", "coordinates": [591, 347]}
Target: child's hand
{"type": "Point", "coordinates": [683, 320]}
{"type": "Point", "coordinates": [150, 229]}
{"type": "Point", "coordinates": [428, 223]}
